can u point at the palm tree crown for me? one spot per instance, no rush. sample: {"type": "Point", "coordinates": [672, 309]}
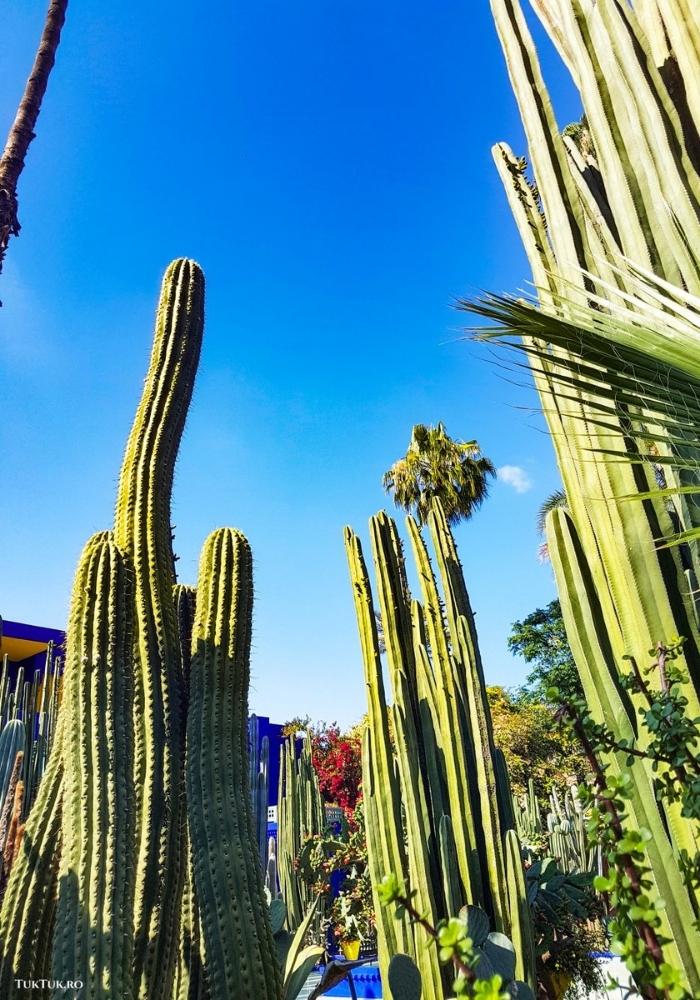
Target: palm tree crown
{"type": "Point", "coordinates": [437, 466]}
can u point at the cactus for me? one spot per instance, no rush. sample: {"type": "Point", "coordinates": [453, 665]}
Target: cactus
{"type": "Point", "coordinates": [237, 939]}
{"type": "Point", "coordinates": [404, 978]}
{"type": "Point", "coordinates": [520, 919]}
{"type": "Point", "coordinates": [259, 751]}
{"type": "Point", "coordinates": [300, 814]}
{"type": "Point", "coordinates": [562, 828]}
{"type": "Point", "coordinates": [271, 880]}
{"type": "Point", "coordinates": [110, 806]}
{"type": "Point", "coordinates": [12, 742]}
{"type": "Point", "coordinates": [589, 638]}
{"type": "Point", "coordinates": [142, 530]}
{"type": "Point", "coordinates": [92, 937]}
{"type": "Point", "coordinates": [27, 913]}
{"type": "Point", "coordinates": [612, 198]}
{"type": "Point", "coordinates": [27, 722]}
{"type": "Point", "coordinates": [445, 778]}
{"type": "Point", "coordinates": [10, 827]}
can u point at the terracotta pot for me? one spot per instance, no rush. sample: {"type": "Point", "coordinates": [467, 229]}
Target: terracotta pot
{"type": "Point", "coordinates": [351, 949]}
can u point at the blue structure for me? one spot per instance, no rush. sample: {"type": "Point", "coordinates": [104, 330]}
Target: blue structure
{"type": "Point", "coordinates": [259, 727]}
{"type": "Point", "coordinates": [26, 646]}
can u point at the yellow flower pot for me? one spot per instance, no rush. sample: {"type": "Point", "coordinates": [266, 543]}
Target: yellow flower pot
{"type": "Point", "coordinates": [351, 950]}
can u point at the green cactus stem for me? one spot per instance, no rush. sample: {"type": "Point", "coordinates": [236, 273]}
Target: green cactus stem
{"type": "Point", "coordinates": [93, 939]}
{"type": "Point", "coordinates": [237, 939]}
{"type": "Point", "coordinates": [142, 530]}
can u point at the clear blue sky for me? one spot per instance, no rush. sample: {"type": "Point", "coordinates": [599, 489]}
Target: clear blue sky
{"type": "Point", "coordinates": [329, 166]}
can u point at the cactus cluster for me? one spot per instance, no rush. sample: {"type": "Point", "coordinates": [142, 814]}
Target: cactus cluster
{"type": "Point", "coordinates": [560, 831]}
{"type": "Point", "coordinates": [437, 800]}
{"type": "Point", "coordinates": [28, 710]}
{"type": "Point", "coordinates": [612, 197]}
{"type": "Point", "coordinates": [139, 872]}
{"type": "Point", "coordinates": [300, 814]}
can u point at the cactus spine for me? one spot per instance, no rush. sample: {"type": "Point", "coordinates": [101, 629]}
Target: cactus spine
{"type": "Point", "coordinates": [142, 530]}
{"type": "Point", "coordinates": [93, 933]}
{"type": "Point", "coordinates": [237, 939]}
{"type": "Point", "coordinates": [445, 777]}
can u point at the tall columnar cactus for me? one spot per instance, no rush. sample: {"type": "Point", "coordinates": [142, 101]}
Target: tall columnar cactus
{"type": "Point", "coordinates": [12, 741]}
{"type": "Point", "coordinates": [27, 722]}
{"type": "Point", "coordinates": [27, 915]}
{"type": "Point", "coordinates": [28, 906]}
{"type": "Point", "coordinates": [300, 814]}
{"type": "Point", "coordinates": [588, 635]}
{"type": "Point", "coordinates": [259, 750]}
{"type": "Point", "coordinates": [239, 951]}
{"type": "Point", "coordinates": [617, 192]}
{"type": "Point", "coordinates": [436, 798]}
{"type": "Point", "coordinates": [93, 939]}
{"type": "Point", "coordinates": [111, 803]}
{"type": "Point", "coordinates": [142, 530]}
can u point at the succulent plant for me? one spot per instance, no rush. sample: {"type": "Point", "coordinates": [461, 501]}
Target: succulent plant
{"type": "Point", "coordinates": [437, 801]}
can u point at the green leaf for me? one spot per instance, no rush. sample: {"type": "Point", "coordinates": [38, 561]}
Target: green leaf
{"type": "Point", "coordinates": [296, 977]}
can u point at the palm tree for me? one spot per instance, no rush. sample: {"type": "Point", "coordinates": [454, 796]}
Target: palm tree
{"type": "Point", "coordinates": [22, 131]}
{"type": "Point", "coordinates": [553, 502]}
{"type": "Point", "coordinates": [437, 466]}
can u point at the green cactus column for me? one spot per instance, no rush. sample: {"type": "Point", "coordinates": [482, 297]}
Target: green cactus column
{"type": "Point", "coordinates": [587, 632]}
{"type": "Point", "coordinates": [300, 814]}
{"type": "Point", "coordinates": [237, 939]}
{"type": "Point", "coordinates": [93, 939]}
{"type": "Point", "coordinates": [28, 907]}
{"type": "Point", "coordinates": [436, 796]}
{"type": "Point", "coordinates": [142, 530]}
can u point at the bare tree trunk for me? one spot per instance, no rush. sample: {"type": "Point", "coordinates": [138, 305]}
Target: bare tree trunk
{"type": "Point", "coordinates": [22, 131]}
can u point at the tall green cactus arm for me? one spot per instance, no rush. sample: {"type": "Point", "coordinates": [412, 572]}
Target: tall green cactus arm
{"type": "Point", "coordinates": [520, 917]}
{"type": "Point", "coordinates": [587, 633]}
{"type": "Point", "coordinates": [189, 974]}
{"type": "Point", "coordinates": [382, 795]}
{"type": "Point", "coordinates": [142, 530]}
{"type": "Point", "coordinates": [238, 945]}
{"type": "Point", "coordinates": [28, 907]}
{"type": "Point", "coordinates": [93, 932]}
{"type": "Point", "coordinates": [185, 605]}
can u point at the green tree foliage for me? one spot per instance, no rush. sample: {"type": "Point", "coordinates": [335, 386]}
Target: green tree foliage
{"type": "Point", "coordinates": [541, 640]}
{"type": "Point", "coordinates": [436, 465]}
{"type": "Point", "coordinates": [532, 745]}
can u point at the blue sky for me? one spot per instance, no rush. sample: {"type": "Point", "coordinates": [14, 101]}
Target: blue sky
{"type": "Point", "coordinates": [329, 166]}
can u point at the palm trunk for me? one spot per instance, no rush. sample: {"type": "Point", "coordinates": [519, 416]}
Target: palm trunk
{"type": "Point", "coordinates": [22, 131]}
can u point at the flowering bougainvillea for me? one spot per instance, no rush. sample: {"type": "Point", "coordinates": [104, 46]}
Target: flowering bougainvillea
{"type": "Point", "coordinates": [338, 763]}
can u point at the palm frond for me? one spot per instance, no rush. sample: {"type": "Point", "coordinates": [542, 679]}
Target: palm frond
{"type": "Point", "coordinates": [633, 359]}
